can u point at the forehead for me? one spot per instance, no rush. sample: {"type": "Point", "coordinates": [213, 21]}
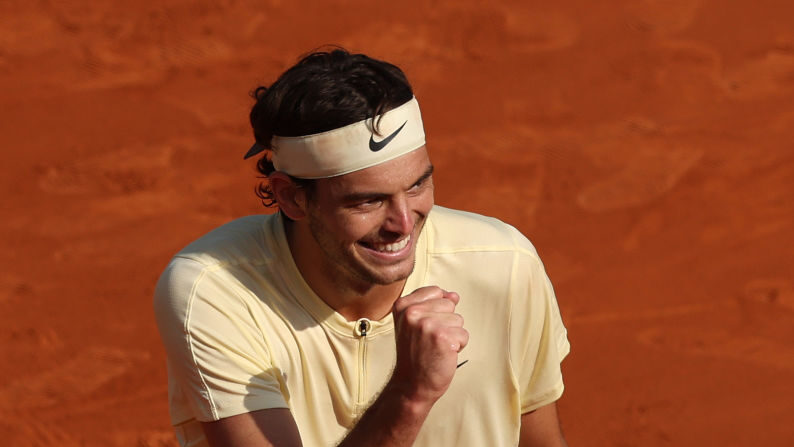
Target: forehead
{"type": "Point", "coordinates": [385, 178]}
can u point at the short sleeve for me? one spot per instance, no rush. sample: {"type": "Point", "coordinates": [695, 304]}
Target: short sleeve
{"type": "Point", "coordinates": [538, 338]}
{"type": "Point", "coordinates": [218, 360]}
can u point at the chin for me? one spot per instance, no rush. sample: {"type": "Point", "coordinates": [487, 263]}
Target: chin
{"type": "Point", "coordinates": [384, 276]}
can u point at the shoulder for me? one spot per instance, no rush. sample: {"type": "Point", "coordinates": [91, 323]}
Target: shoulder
{"type": "Point", "coordinates": [241, 240]}
{"type": "Point", "coordinates": [455, 230]}
{"type": "Point", "coordinates": [212, 265]}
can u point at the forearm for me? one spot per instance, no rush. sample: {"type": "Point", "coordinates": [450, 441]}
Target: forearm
{"type": "Point", "coordinates": [429, 336]}
{"type": "Point", "coordinates": [393, 420]}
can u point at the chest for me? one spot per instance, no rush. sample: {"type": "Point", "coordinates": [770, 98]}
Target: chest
{"type": "Point", "coordinates": [333, 377]}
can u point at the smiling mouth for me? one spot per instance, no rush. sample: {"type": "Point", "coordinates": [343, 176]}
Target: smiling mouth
{"type": "Point", "coordinates": [388, 248]}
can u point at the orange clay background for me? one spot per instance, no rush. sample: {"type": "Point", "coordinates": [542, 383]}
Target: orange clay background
{"type": "Point", "coordinates": [644, 146]}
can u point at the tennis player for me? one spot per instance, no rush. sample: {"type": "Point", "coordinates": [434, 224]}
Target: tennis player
{"type": "Point", "coordinates": [361, 313]}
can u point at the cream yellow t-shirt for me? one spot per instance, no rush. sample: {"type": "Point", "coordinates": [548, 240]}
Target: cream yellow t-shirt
{"type": "Point", "coordinates": [243, 332]}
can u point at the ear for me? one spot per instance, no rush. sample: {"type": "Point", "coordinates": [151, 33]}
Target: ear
{"type": "Point", "coordinates": [291, 199]}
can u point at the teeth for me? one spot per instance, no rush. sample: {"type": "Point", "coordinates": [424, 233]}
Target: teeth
{"type": "Point", "coordinates": [397, 246]}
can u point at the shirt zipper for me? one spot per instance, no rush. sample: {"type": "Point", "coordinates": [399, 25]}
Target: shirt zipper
{"type": "Point", "coordinates": [363, 327]}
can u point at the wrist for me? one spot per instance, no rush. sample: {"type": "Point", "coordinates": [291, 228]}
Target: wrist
{"type": "Point", "coordinates": [394, 419]}
{"type": "Point", "coordinates": [408, 399]}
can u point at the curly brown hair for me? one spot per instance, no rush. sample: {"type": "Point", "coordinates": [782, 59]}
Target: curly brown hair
{"type": "Point", "coordinates": [325, 90]}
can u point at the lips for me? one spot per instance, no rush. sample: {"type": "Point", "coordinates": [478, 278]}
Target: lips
{"type": "Point", "coordinates": [389, 248]}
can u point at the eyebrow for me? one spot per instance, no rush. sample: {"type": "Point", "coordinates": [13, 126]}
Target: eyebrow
{"type": "Point", "coordinates": [424, 176]}
{"type": "Point", "coordinates": [362, 196]}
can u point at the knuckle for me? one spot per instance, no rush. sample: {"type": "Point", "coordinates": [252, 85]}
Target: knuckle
{"type": "Point", "coordinates": [435, 292]}
{"type": "Point", "coordinates": [427, 326]}
{"type": "Point", "coordinates": [399, 304]}
{"type": "Point", "coordinates": [446, 305]}
{"type": "Point", "coordinates": [413, 314]}
{"type": "Point", "coordinates": [440, 337]}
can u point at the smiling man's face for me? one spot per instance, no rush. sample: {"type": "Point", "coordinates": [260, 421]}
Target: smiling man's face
{"type": "Point", "coordinates": [366, 223]}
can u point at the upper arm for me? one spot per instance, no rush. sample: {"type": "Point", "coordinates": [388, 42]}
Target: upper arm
{"type": "Point", "coordinates": [538, 339]}
{"type": "Point", "coordinates": [219, 362]}
{"type": "Point", "coordinates": [263, 428]}
{"type": "Point", "coordinates": [541, 427]}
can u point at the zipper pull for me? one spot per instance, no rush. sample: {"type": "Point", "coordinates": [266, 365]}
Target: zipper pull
{"type": "Point", "coordinates": [363, 326]}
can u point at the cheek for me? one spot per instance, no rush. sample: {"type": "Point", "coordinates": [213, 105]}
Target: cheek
{"type": "Point", "coordinates": [352, 228]}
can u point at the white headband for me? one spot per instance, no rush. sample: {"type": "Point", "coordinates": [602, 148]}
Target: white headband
{"type": "Point", "coordinates": [353, 147]}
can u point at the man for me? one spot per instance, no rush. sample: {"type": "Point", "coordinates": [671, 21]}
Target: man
{"type": "Point", "coordinates": [360, 313]}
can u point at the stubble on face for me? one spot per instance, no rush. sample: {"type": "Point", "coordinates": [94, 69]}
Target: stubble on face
{"type": "Point", "coordinates": [364, 226]}
{"type": "Point", "coordinates": [345, 267]}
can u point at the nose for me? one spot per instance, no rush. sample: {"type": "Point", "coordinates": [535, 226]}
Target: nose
{"type": "Point", "coordinates": [399, 218]}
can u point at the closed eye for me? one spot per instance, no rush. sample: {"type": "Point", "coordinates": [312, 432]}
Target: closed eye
{"type": "Point", "coordinates": [367, 202]}
{"type": "Point", "coordinates": [372, 202]}
{"type": "Point", "coordinates": [421, 181]}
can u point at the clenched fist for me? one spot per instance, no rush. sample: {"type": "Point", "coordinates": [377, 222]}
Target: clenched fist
{"type": "Point", "coordinates": [429, 336]}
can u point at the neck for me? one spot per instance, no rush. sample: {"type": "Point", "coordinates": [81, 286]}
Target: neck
{"type": "Point", "coordinates": [351, 297]}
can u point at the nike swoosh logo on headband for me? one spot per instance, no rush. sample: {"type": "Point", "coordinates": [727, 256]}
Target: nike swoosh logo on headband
{"type": "Point", "coordinates": [375, 146]}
